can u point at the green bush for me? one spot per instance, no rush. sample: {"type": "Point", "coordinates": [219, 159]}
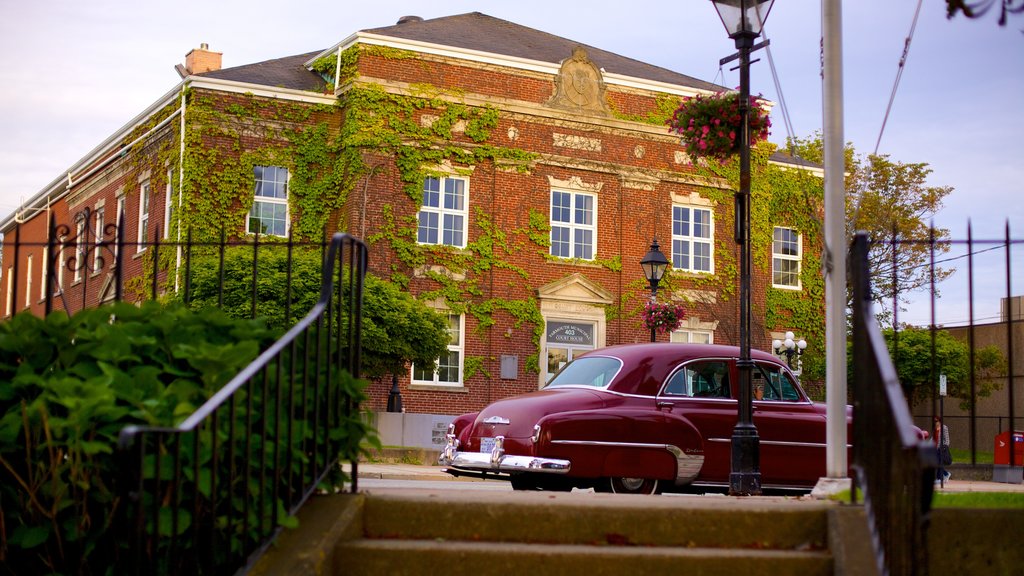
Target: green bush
{"type": "Point", "coordinates": [68, 386]}
{"type": "Point", "coordinates": [397, 328]}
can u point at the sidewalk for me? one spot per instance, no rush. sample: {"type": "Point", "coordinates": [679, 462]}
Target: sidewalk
{"type": "Point", "coordinates": [436, 473]}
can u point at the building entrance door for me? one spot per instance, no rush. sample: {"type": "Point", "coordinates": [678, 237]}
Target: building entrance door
{"type": "Point", "coordinates": [565, 341]}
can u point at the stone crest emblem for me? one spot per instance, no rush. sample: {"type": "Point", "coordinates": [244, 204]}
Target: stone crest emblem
{"type": "Point", "coordinates": [579, 85]}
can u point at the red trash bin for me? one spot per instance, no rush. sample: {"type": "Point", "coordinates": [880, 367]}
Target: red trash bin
{"type": "Point", "coordinates": [1002, 471]}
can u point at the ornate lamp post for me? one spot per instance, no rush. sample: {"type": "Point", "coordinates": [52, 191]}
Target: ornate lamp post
{"type": "Point", "coordinates": [743, 20]}
{"type": "Point", "coordinates": [789, 348]}
{"type": "Point", "coordinates": [654, 264]}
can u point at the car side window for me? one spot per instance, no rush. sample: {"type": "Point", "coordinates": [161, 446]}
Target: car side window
{"type": "Point", "coordinates": [701, 380]}
{"type": "Point", "coordinates": [772, 383]}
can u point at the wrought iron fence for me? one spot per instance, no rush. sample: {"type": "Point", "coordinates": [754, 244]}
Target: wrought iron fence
{"type": "Point", "coordinates": [961, 282]}
{"type": "Point", "coordinates": [894, 467]}
{"type": "Point", "coordinates": [208, 496]}
{"type": "Point", "coordinates": [89, 261]}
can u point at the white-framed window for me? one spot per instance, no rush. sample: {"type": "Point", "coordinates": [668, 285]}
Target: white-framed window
{"type": "Point", "coordinates": [786, 254]}
{"type": "Point", "coordinates": [444, 212]}
{"type": "Point", "coordinates": [97, 254]}
{"type": "Point", "coordinates": [117, 220]}
{"type": "Point", "coordinates": [44, 268]}
{"type": "Point", "coordinates": [80, 248]}
{"type": "Point", "coordinates": [168, 206]}
{"type": "Point", "coordinates": [61, 264]}
{"type": "Point", "coordinates": [28, 281]}
{"type": "Point", "coordinates": [687, 336]}
{"type": "Point", "coordinates": [269, 214]}
{"type": "Point", "coordinates": [143, 216]}
{"type": "Point", "coordinates": [448, 371]}
{"type": "Point", "coordinates": [573, 225]}
{"type": "Point", "coordinates": [692, 236]}
{"type": "Point", "coordinates": [10, 290]}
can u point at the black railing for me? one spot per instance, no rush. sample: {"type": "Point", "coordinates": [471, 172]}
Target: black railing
{"type": "Point", "coordinates": [89, 261]}
{"type": "Point", "coordinates": [895, 468]}
{"type": "Point", "coordinates": [209, 495]}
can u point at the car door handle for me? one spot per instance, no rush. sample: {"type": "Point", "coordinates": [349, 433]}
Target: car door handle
{"type": "Point", "coordinates": [665, 405]}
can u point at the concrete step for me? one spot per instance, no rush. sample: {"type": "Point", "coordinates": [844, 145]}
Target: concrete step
{"type": "Point", "coordinates": [602, 519]}
{"type": "Point", "coordinates": [454, 558]}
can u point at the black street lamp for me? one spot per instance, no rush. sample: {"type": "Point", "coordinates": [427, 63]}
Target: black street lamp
{"type": "Point", "coordinates": [654, 264]}
{"type": "Point", "coordinates": [743, 20]}
{"type": "Point", "coordinates": [789, 348]}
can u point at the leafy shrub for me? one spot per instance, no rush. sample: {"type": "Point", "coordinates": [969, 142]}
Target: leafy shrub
{"type": "Point", "coordinates": [397, 328]}
{"type": "Point", "coordinates": [67, 388]}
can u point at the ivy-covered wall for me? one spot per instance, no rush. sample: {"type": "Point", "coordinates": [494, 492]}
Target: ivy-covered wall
{"type": "Point", "coordinates": [358, 165]}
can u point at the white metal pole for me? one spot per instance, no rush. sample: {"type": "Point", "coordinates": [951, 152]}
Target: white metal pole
{"type": "Point", "coordinates": [835, 239]}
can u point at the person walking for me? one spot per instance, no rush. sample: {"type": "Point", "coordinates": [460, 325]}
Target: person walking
{"type": "Point", "coordinates": [941, 435]}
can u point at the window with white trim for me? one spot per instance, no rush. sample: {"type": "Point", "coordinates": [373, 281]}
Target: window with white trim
{"type": "Point", "coordinates": [573, 225]}
{"type": "Point", "coordinates": [443, 214]}
{"type": "Point", "coordinates": [61, 264]}
{"type": "Point", "coordinates": [97, 254]}
{"type": "Point", "coordinates": [80, 248]}
{"type": "Point", "coordinates": [687, 336]}
{"type": "Point", "coordinates": [269, 214]}
{"type": "Point", "coordinates": [143, 217]}
{"type": "Point", "coordinates": [10, 290]}
{"type": "Point", "coordinates": [448, 370]}
{"type": "Point", "coordinates": [42, 272]}
{"type": "Point", "coordinates": [168, 206]}
{"type": "Point", "coordinates": [117, 217]}
{"type": "Point", "coordinates": [28, 281]}
{"type": "Point", "coordinates": [786, 254]}
{"type": "Point", "coordinates": [692, 235]}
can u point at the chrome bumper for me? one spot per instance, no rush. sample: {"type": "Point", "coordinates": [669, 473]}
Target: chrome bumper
{"type": "Point", "coordinates": [496, 460]}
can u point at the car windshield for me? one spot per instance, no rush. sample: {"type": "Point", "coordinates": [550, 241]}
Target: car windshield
{"type": "Point", "coordinates": [593, 371]}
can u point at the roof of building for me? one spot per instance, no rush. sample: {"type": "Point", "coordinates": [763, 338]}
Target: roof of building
{"type": "Point", "coordinates": [287, 72]}
{"type": "Point", "coordinates": [476, 31]}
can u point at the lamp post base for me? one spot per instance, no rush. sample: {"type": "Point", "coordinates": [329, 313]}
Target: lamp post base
{"type": "Point", "coordinates": [745, 478]}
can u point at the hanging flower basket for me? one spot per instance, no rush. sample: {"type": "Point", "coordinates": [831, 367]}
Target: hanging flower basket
{"type": "Point", "coordinates": [663, 317]}
{"type": "Point", "coordinates": [710, 126]}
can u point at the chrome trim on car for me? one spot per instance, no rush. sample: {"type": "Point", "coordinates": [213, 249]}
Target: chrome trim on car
{"type": "Point", "coordinates": [508, 463]}
{"type": "Point", "coordinates": [450, 449]}
{"type": "Point", "coordinates": [535, 437]}
{"type": "Point", "coordinates": [687, 465]}
{"type": "Point", "coordinates": [779, 443]}
{"type": "Point", "coordinates": [496, 420]}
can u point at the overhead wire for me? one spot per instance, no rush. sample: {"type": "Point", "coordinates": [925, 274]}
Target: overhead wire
{"type": "Point", "coordinates": [899, 75]}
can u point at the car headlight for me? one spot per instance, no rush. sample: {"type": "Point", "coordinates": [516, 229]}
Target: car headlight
{"type": "Point", "coordinates": [536, 433]}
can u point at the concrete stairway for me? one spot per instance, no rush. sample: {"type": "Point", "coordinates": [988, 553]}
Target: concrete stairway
{"type": "Point", "coordinates": [452, 533]}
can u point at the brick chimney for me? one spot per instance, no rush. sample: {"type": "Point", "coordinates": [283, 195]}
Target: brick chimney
{"type": "Point", "coordinates": [201, 60]}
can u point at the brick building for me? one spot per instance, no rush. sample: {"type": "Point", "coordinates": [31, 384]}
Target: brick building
{"type": "Point", "coordinates": [508, 177]}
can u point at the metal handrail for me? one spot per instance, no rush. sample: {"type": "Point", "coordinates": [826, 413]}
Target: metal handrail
{"type": "Point", "coordinates": [894, 465]}
{"type": "Point", "coordinates": [298, 380]}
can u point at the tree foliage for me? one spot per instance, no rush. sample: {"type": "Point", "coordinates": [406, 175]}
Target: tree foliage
{"type": "Point", "coordinates": [892, 202]}
{"type": "Point", "coordinates": [397, 328]}
{"type": "Point", "coordinates": [912, 354]}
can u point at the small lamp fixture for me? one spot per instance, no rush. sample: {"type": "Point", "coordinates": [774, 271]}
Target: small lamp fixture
{"type": "Point", "coordinates": [789, 347]}
{"type": "Point", "coordinates": [654, 264]}
{"type": "Point", "coordinates": [743, 18]}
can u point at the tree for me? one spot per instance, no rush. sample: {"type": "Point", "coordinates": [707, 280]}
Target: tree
{"type": "Point", "coordinates": [397, 328]}
{"type": "Point", "coordinates": [912, 354]}
{"type": "Point", "coordinates": [891, 201]}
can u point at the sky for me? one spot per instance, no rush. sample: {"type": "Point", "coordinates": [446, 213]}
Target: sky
{"type": "Point", "coordinates": [74, 72]}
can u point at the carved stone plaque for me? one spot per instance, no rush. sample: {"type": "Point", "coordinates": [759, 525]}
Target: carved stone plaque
{"type": "Point", "coordinates": [579, 85]}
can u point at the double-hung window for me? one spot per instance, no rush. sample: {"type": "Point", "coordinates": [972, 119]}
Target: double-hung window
{"type": "Point", "coordinates": [442, 217]}
{"type": "Point", "coordinates": [692, 234]}
{"type": "Point", "coordinates": [81, 248]}
{"type": "Point", "coordinates": [97, 255]}
{"type": "Point", "coordinates": [269, 214]}
{"type": "Point", "coordinates": [688, 336]}
{"type": "Point", "coordinates": [448, 370]}
{"type": "Point", "coordinates": [144, 194]}
{"type": "Point", "coordinates": [786, 254]}
{"type": "Point", "coordinates": [573, 225]}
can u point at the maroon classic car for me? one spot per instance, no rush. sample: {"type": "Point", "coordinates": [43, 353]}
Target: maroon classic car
{"type": "Point", "coordinates": [643, 418]}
